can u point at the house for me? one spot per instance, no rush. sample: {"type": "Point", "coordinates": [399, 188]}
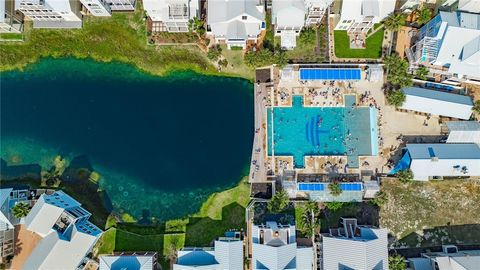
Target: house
{"type": "Point", "coordinates": [104, 8]}
{"type": "Point", "coordinates": [274, 246]}
{"type": "Point", "coordinates": [67, 235]}
{"type": "Point", "coordinates": [170, 15]}
{"type": "Point", "coordinates": [235, 23]}
{"type": "Point", "coordinates": [8, 198]}
{"type": "Point", "coordinates": [359, 16]}
{"type": "Point", "coordinates": [449, 46]}
{"type": "Point", "coordinates": [143, 261]}
{"type": "Point", "coordinates": [437, 103]}
{"type": "Point", "coordinates": [438, 160]}
{"type": "Point", "coordinates": [450, 258]}
{"type": "Point", "coordinates": [355, 247]}
{"type": "Point", "coordinates": [227, 253]}
{"type": "Point", "coordinates": [50, 13]}
{"type": "Point", "coordinates": [290, 16]}
{"type": "Point", "coordinates": [463, 132]}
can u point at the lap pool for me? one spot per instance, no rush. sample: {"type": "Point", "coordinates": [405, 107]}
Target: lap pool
{"type": "Point", "coordinates": [300, 131]}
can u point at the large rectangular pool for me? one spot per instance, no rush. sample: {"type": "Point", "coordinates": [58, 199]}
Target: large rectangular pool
{"type": "Point", "coordinates": [300, 131]}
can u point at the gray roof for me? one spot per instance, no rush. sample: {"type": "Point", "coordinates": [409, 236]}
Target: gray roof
{"type": "Point", "coordinates": [127, 262]}
{"type": "Point", "coordinates": [221, 10]}
{"type": "Point", "coordinates": [438, 95]}
{"type": "Point", "coordinates": [470, 48]}
{"type": "Point", "coordinates": [444, 151]}
{"type": "Point", "coordinates": [461, 19]}
{"type": "Point", "coordinates": [463, 125]}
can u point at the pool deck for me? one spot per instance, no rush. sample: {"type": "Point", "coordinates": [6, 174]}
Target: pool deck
{"type": "Point", "coordinates": [391, 124]}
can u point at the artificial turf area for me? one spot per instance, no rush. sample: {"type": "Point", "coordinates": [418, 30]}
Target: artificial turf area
{"type": "Point", "coordinates": [373, 48]}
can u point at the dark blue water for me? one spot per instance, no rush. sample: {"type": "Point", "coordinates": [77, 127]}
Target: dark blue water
{"type": "Point", "coordinates": [160, 143]}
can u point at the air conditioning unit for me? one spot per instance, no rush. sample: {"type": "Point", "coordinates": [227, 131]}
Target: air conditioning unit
{"type": "Point", "coordinates": [449, 249]}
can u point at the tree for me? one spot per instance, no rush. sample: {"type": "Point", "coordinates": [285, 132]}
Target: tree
{"type": "Point", "coordinates": [20, 210]}
{"type": "Point", "coordinates": [405, 176]}
{"type": "Point", "coordinates": [310, 219]}
{"type": "Point", "coordinates": [380, 199]}
{"type": "Point", "coordinates": [396, 97]}
{"type": "Point", "coordinates": [307, 35]}
{"type": "Point", "coordinates": [394, 21]}
{"type": "Point", "coordinates": [262, 58]}
{"type": "Point", "coordinates": [335, 189]}
{"type": "Point", "coordinates": [278, 202]}
{"type": "Point", "coordinates": [214, 52]}
{"type": "Point", "coordinates": [396, 262]}
{"type": "Point", "coordinates": [397, 71]}
{"type": "Point", "coordinates": [423, 15]}
{"type": "Point", "coordinates": [334, 206]}
{"type": "Point", "coordinates": [421, 73]}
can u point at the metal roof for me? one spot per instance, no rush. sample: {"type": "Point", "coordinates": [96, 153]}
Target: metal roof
{"type": "Point", "coordinates": [444, 151]}
{"type": "Point", "coordinates": [438, 95]}
{"type": "Point", "coordinates": [463, 125]}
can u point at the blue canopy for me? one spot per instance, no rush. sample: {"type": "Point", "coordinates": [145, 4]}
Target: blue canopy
{"type": "Point", "coordinates": [403, 164]}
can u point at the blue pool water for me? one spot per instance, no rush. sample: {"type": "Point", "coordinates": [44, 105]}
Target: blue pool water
{"type": "Point", "coordinates": [323, 186]}
{"type": "Point", "coordinates": [346, 74]}
{"type": "Point", "coordinates": [303, 131]}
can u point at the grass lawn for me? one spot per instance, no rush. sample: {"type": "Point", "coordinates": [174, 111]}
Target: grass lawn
{"type": "Point", "coordinates": [305, 49]}
{"type": "Point", "coordinates": [432, 213]}
{"type": "Point", "coordinates": [235, 63]}
{"type": "Point", "coordinates": [373, 49]}
{"type": "Point", "coordinates": [121, 37]}
{"type": "Point", "coordinates": [365, 213]}
{"type": "Point", "coordinates": [11, 36]}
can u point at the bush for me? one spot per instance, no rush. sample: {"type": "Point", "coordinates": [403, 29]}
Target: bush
{"type": "Point", "coordinates": [476, 107]}
{"type": "Point", "coordinates": [396, 262]}
{"type": "Point", "coordinates": [214, 53]}
{"type": "Point", "coordinates": [380, 199]}
{"type": "Point", "coordinates": [335, 189]}
{"type": "Point", "coordinates": [334, 206]}
{"type": "Point", "coordinates": [307, 36]}
{"type": "Point", "coordinates": [405, 176]}
{"type": "Point", "coordinates": [265, 58]}
{"type": "Point", "coordinates": [223, 62]}
{"type": "Point", "coordinates": [421, 73]}
{"type": "Point", "coordinates": [278, 202]}
{"type": "Point", "coordinates": [236, 48]}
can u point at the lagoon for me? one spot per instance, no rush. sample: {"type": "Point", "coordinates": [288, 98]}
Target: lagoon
{"type": "Point", "coordinates": [161, 144]}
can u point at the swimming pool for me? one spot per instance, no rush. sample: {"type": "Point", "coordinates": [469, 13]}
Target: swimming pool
{"type": "Point", "coordinates": [300, 131]}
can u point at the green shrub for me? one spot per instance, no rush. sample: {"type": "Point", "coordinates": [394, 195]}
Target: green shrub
{"type": "Point", "coordinates": [236, 48]}
{"type": "Point", "coordinates": [334, 206]}
{"type": "Point", "coordinates": [335, 189]}
{"type": "Point", "coordinates": [396, 98]}
{"type": "Point", "coordinates": [405, 176]}
{"type": "Point", "coordinates": [396, 262]}
{"type": "Point", "coordinates": [278, 202]}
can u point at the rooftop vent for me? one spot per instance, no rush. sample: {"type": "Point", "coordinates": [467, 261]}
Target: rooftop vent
{"type": "Point", "coordinates": [449, 249]}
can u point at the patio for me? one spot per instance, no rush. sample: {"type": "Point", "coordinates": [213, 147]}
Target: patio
{"type": "Point", "coordinates": [25, 242]}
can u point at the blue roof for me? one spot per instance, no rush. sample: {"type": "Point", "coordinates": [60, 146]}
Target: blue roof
{"type": "Point", "coordinates": [438, 95]}
{"type": "Point", "coordinates": [196, 257]}
{"type": "Point", "coordinates": [62, 200]}
{"type": "Point", "coordinates": [444, 151]}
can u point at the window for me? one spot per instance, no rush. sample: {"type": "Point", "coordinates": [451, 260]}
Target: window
{"type": "Point", "coordinates": [244, 18]}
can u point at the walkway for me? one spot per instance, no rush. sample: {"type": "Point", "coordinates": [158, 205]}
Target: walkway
{"type": "Point", "coordinates": [257, 167]}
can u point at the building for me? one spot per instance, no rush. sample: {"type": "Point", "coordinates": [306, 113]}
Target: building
{"type": "Point", "coordinates": [472, 6]}
{"type": "Point", "coordinates": [227, 253]}
{"type": "Point", "coordinates": [439, 160]}
{"type": "Point", "coordinates": [449, 45]}
{"type": "Point", "coordinates": [359, 16]}
{"type": "Point", "coordinates": [8, 198]}
{"type": "Point", "coordinates": [290, 16]}
{"type": "Point", "coordinates": [50, 13]}
{"type": "Point", "coordinates": [274, 246]}
{"type": "Point", "coordinates": [437, 103]}
{"type": "Point", "coordinates": [355, 247]}
{"type": "Point", "coordinates": [170, 15]}
{"type": "Point", "coordinates": [450, 258]}
{"type": "Point", "coordinates": [235, 23]}
{"type": "Point", "coordinates": [100, 8]}
{"type": "Point", "coordinates": [463, 132]}
{"type": "Point", "coordinates": [143, 261]}
{"type": "Point", "coordinates": [67, 234]}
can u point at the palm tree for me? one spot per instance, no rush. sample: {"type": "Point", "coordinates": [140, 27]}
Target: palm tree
{"type": "Point", "coordinates": [423, 15]}
{"type": "Point", "coordinates": [20, 210]}
{"type": "Point", "coordinates": [396, 98]}
{"type": "Point", "coordinates": [396, 262]}
{"type": "Point", "coordinates": [310, 221]}
{"type": "Point", "coordinates": [394, 21]}
{"type": "Point", "coordinates": [335, 189]}
{"type": "Point", "coordinates": [421, 73]}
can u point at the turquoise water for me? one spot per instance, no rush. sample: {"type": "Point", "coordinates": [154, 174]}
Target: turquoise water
{"type": "Point", "coordinates": [161, 144]}
{"type": "Point", "coordinates": [302, 131]}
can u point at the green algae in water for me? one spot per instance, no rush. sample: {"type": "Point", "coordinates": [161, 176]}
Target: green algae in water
{"type": "Point", "coordinates": [161, 144]}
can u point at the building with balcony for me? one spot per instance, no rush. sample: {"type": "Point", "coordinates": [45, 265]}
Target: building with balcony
{"type": "Point", "coordinates": [449, 46]}
{"type": "Point", "coordinates": [55, 14]}
{"type": "Point", "coordinates": [354, 247]}
{"type": "Point", "coordinates": [359, 16]}
{"type": "Point", "coordinates": [450, 258]}
{"type": "Point", "coordinates": [235, 23]}
{"type": "Point", "coordinates": [170, 15]}
{"type": "Point", "coordinates": [290, 16]}
{"type": "Point", "coordinates": [67, 235]}
{"type": "Point", "coordinates": [274, 246]}
{"type": "Point", "coordinates": [227, 253]}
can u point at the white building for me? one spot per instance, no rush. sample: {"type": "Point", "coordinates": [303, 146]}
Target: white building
{"type": "Point", "coordinates": [50, 13]}
{"type": "Point", "coordinates": [355, 247]}
{"type": "Point", "coordinates": [449, 45]}
{"type": "Point", "coordinates": [437, 103]}
{"type": "Point", "coordinates": [235, 22]}
{"type": "Point", "coordinates": [67, 234]}
{"type": "Point", "coordinates": [100, 8]}
{"type": "Point", "coordinates": [142, 261]}
{"type": "Point", "coordinates": [450, 258]}
{"type": "Point", "coordinates": [463, 132]}
{"type": "Point", "coordinates": [359, 16]}
{"type": "Point", "coordinates": [290, 16]}
{"type": "Point", "coordinates": [170, 15]}
{"type": "Point", "coordinates": [438, 160]}
{"type": "Point", "coordinates": [469, 5]}
{"type": "Point", "coordinates": [274, 246]}
{"type": "Point", "coordinates": [227, 253]}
